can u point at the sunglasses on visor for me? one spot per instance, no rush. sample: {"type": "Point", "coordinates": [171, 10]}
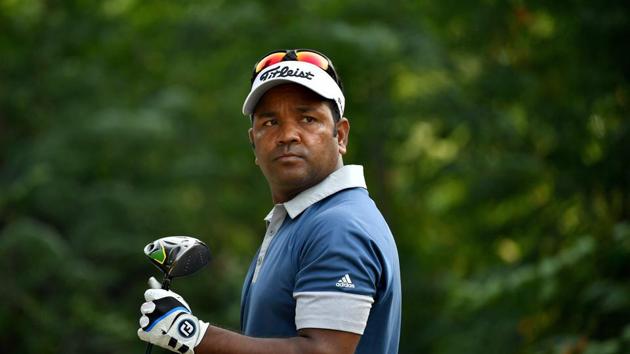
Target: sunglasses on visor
{"type": "Point", "coordinates": [303, 55]}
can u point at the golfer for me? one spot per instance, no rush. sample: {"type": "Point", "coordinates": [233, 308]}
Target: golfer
{"type": "Point", "coordinates": [326, 278]}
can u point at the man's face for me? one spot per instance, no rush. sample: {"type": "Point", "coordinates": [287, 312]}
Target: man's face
{"type": "Point", "coordinates": [296, 142]}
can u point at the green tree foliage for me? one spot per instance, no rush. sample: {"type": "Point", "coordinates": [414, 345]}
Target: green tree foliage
{"type": "Point", "coordinates": [494, 136]}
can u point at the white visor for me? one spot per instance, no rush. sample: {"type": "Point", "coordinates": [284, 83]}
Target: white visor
{"type": "Point", "coordinates": [306, 74]}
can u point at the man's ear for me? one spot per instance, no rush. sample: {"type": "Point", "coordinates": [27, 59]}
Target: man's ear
{"type": "Point", "coordinates": [343, 129]}
{"type": "Point", "coordinates": [250, 132]}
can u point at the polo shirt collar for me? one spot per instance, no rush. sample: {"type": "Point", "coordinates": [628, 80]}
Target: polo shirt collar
{"type": "Point", "coordinates": [349, 176]}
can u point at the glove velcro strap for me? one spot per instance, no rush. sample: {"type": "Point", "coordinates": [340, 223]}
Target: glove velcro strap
{"type": "Point", "coordinates": [164, 307]}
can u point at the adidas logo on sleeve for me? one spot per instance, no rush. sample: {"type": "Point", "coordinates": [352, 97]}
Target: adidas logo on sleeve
{"type": "Point", "coordinates": [345, 282]}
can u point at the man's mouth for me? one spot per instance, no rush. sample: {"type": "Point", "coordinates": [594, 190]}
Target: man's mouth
{"type": "Point", "coordinates": [288, 157]}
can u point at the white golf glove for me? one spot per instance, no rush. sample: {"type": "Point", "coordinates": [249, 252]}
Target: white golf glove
{"type": "Point", "coordinates": [168, 322]}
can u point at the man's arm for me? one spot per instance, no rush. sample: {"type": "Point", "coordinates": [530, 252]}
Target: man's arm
{"type": "Point", "coordinates": [309, 341]}
{"type": "Point", "coordinates": [167, 321]}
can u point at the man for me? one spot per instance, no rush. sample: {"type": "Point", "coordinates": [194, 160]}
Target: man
{"type": "Point", "coordinates": [326, 278]}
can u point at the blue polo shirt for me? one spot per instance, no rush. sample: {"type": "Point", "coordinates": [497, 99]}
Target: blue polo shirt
{"type": "Point", "coordinates": [328, 260]}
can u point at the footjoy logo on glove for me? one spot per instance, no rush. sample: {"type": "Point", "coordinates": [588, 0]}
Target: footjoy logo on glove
{"type": "Point", "coordinates": [187, 328]}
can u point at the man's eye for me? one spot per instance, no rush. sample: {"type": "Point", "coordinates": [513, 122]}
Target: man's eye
{"type": "Point", "coordinates": [308, 119]}
{"type": "Point", "coordinates": [269, 122]}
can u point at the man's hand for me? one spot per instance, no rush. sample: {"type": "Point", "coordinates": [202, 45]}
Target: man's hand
{"type": "Point", "coordinates": [168, 322]}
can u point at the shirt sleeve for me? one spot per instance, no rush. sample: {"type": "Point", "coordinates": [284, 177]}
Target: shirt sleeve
{"type": "Point", "coordinates": [338, 276]}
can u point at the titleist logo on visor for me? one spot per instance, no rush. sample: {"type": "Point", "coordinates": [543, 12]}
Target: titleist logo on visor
{"type": "Point", "coordinates": [284, 71]}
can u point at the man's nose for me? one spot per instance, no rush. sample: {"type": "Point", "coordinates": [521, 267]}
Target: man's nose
{"type": "Point", "coordinates": [289, 133]}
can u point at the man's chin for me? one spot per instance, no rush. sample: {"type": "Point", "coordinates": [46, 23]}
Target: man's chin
{"type": "Point", "coordinates": [297, 179]}
{"type": "Point", "coordinates": [293, 178]}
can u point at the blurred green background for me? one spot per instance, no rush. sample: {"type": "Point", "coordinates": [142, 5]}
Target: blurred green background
{"type": "Point", "coordinates": [494, 134]}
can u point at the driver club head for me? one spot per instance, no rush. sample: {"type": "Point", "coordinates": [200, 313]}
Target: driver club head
{"type": "Point", "coordinates": [177, 256]}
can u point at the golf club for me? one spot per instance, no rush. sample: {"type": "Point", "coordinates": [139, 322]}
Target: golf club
{"type": "Point", "coordinates": [176, 256]}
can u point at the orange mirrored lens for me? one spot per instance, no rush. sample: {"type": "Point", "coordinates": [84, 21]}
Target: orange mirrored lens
{"type": "Point", "coordinates": [269, 60]}
{"type": "Point", "coordinates": [313, 58]}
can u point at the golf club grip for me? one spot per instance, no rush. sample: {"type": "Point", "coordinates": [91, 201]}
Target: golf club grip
{"type": "Point", "coordinates": [165, 285]}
